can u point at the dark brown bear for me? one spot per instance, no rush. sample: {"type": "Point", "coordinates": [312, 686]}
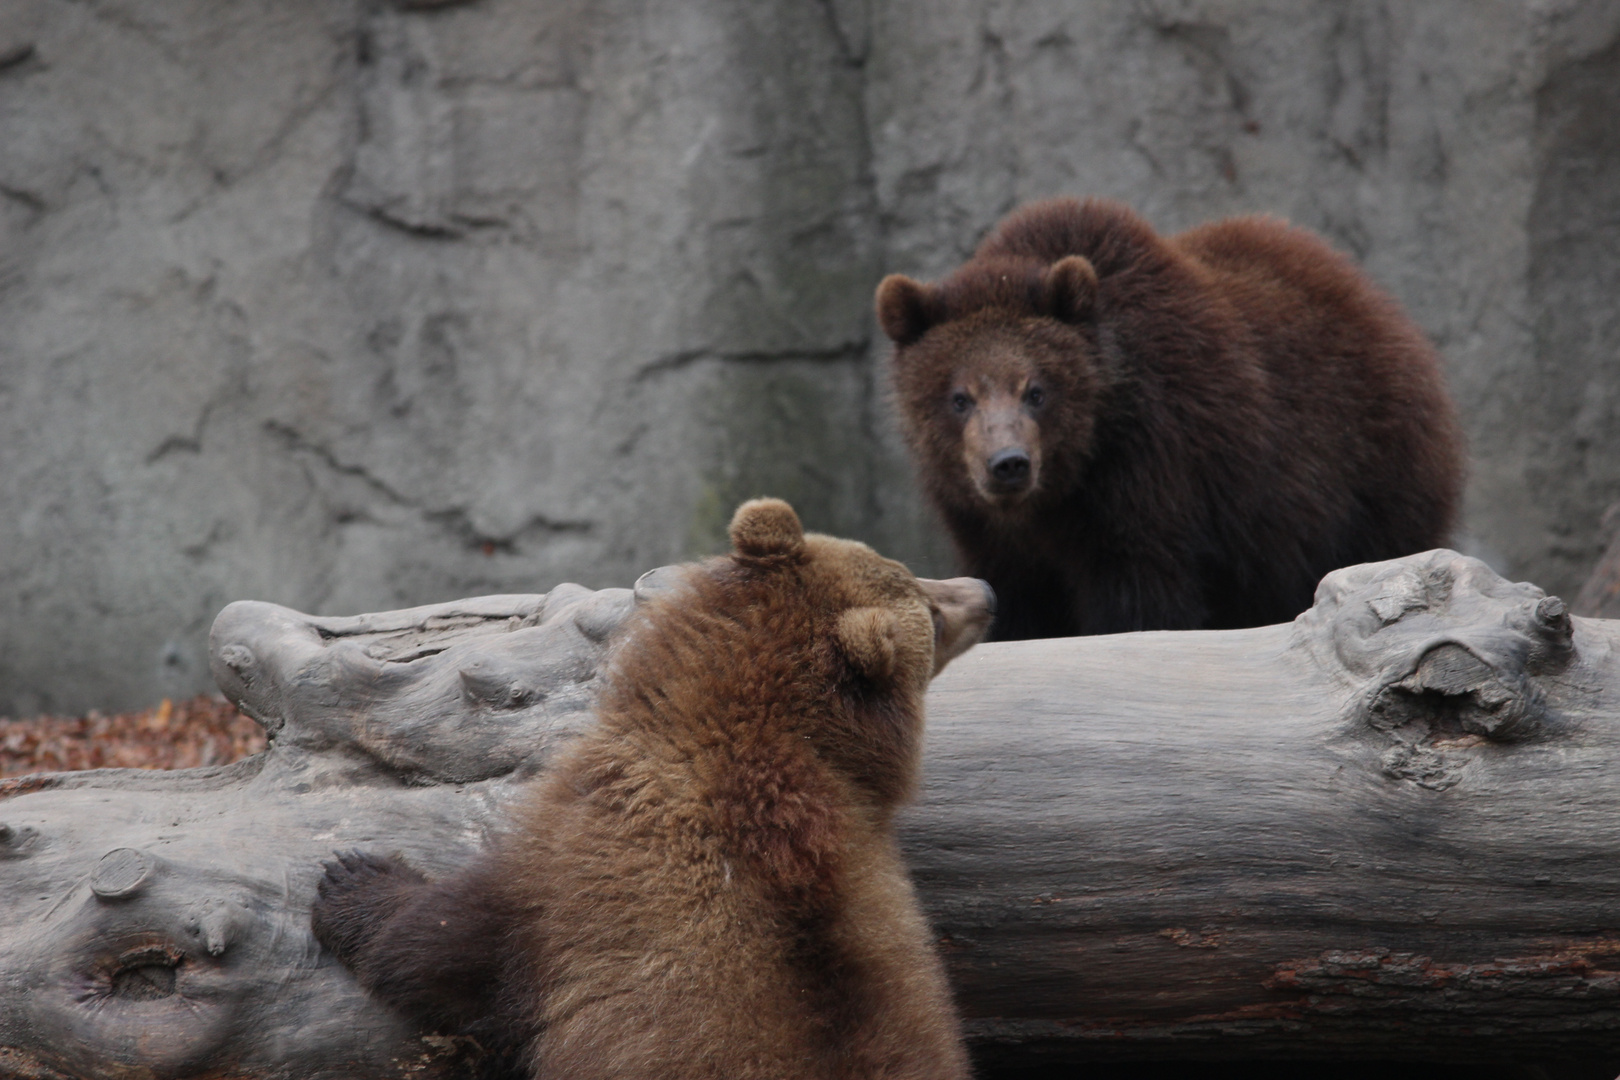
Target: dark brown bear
{"type": "Point", "coordinates": [707, 884]}
{"type": "Point", "coordinates": [1125, 431]}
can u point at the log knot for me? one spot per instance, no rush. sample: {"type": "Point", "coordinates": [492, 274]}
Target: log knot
{"type": "Point", "coordinates": [121, 873]}
{"type": "Point", "coordinates": [17, 842]}
{"type": "Point", "coordinates": [214, 923]}
{"type": "Point", "coordinates": [1444, 655]}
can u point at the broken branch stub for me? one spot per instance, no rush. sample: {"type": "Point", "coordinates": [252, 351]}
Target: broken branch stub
{"type": "Point", "coordinates": [1445, 650]}
{"type": "Point", "coordinates": [1388, 828]}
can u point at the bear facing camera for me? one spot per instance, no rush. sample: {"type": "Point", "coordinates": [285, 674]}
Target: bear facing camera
{"type": "Point", "coordinates": [707, 882]}
{"type": "Point", "coordinates": [1124, 431]}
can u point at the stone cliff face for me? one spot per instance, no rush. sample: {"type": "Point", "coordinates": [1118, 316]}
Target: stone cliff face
{"type": "Point", "coordinates": [352, 306]}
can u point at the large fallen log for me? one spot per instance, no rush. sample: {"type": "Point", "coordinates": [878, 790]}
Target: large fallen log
{"type": "Point", "coordinates": [1391, 828]}
{"type": "Point", "coordinates": [1388, 829]}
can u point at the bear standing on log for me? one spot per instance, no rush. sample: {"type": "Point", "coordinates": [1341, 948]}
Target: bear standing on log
{"type": "Point", "coordinates": [1125, 431]}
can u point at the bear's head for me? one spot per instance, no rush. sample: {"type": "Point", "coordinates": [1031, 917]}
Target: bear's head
{"type": "Point", "coordinates": [874, 632]}
{"type": "Point", "coordinates": [818, 636]}
{"type": "Point", "coordinates": [996, 376]}
{"type": "Point", "coordinates": [891, 627]}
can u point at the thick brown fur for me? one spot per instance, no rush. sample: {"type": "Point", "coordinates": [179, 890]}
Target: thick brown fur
{"type": "Point", "coordinates": [707, 884]}
{"type": "Point", "coordinates": [1124, 431]}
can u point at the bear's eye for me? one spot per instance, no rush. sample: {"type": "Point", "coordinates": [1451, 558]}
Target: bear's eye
{"type": "Point", "coordinates": [961, 403]}
{"type": "Point", "coordinates": [1034, 397]}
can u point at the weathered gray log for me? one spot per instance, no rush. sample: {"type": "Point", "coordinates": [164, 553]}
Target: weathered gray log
{"type": "Point", "coordinates": [157, 924]}
{"type": "Point", "coordinates": [1391, 828]}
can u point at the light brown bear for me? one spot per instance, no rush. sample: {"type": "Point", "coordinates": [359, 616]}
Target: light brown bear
{"type": "Point", "coordinates": [707, 884]}
{"type": "Point", "coordinates": [1128, 431]}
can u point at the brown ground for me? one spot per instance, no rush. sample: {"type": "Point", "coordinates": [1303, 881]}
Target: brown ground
{"type": "Point", "coordinates": [205, 730]}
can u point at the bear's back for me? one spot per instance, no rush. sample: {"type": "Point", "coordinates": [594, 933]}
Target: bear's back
{"type": "Point", "coordinates": [1109, 234]}
{"type": "Point", "coordinates": [1353, 382]}
{"type": "Point", "coordinates": [1304, 292]}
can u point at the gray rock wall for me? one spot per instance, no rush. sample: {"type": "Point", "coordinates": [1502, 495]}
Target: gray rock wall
{"type": "Point", "coordinates": [355, 306]}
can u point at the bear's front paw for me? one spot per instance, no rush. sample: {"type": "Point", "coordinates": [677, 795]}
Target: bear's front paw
{"type": "Point", "coordinates": [355, 897]}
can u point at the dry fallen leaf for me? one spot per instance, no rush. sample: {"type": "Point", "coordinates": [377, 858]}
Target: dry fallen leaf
{"type": "Point", "coordinates": [206, 730]}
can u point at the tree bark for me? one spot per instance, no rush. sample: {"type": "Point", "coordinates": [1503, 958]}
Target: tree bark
{"type": "Point", "coordinates": [1388, 829]}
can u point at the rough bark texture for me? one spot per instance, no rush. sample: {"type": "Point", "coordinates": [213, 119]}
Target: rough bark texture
{"type": "Point", "coordinates": [160, 921]}
{"type": "Point", "coordinates": [1388, 829]}
{"type": "Point", "coordinates": [358, 305]}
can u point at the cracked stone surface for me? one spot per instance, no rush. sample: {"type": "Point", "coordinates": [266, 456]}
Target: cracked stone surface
{"type": "Point", "coordinates": [356, 306]}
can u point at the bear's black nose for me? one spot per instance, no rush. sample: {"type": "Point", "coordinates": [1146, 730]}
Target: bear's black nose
{"type": "Point", "coordinates": [1009, 469]}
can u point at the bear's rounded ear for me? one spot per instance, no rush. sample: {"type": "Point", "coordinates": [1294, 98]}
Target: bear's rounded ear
{"type": "Point", "coordinates": [763, 527]}
{"type": "Point", "coordinates": [904, 308]}
{"type": "Point", "coordinates": [1071, 289]}
{"type": "Point", "coordinates": [866, 635]}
